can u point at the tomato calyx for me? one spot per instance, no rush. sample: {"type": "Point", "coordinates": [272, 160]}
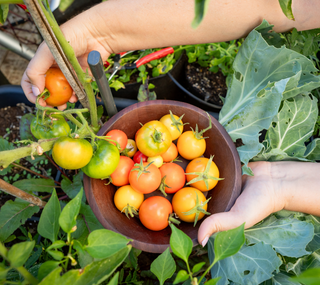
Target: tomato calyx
{"type": "Point", "coordinates": [172, 219]}
{"type": "Point", "coordinates": [199, 134]}
{"type": "Point", "coordinates": [130, 211]}
{"type": "Point", "coordinates": [197, 209]}
{"type": "Point", "coordinates": [177, 122]}
{"type": "Point", "coordinates": [163, 186]}
{"type": "Point", "coordinates": [157, 136]}
{"type": "Point", "coordinates": [141, 168]}
{"type": "Point", "coordinates": [203, 176]}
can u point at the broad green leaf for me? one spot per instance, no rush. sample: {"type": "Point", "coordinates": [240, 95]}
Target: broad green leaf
{"type": "Point", "coordinates": [313, 150]}
{"type": "Point", "coordinates": [48, 226]}
{"type": "Point", "coordinates": [68, 216]}
{"type": "Point", "coordinates": [19, 253]}
{"type": "Point", "coordinates": [57, 244]}
{"type": "Point", "coordinates": [309, 277]}
{"type": "Point", "coordinates": [315, 243]}
{"type": "Point", "coordinates": [82, 231]}
{"type": "Point", "coordinates": [57, 255]}
{"type": "Point", "coordinates": [90, 218]}
{"type": "Point", "coordinates": [197, 267]}
{"type": "Point", "coordinates": [180, 243]}
{"type": "Point", "coordinates": [270, 36]}
{"type": "Point", "coordinates": [201, 7]}
{"type": "Point", "coordinates": [114, 279]}
{"type": "Point", "coordinates": [213, 281]}
{"type": "Point", "coordinates": [293, 125]}
{"type": "Point", "coordinates": [65, 4]}
{"type": "Point", "coordinates": [25, 132]}
{"type": "Point", "coordinates": [304, 263]}
{"type": "Point", "coordinates": [163, 266]}
{"type": "Point", "coordinates": [4, 9]}
{"type": "Point", "coordinates": [288, 236]}
{"type": "Point", "coordinates": [35, 185]}
{"type": "Point", "coordinates": [46, 268]}
{"type": "Point", "coordinates": [181, 276]}
{"type": "Point", "coordinates": [103, 243]}
{"type": "Point", "coordinates": [228, 243]}
{"type": "Point", "coordinates": [282, 279]}
{"type": "Point", "coordinates": [73, 188]}
{"type": "Point", "coordinates": [250, 265]}
{"type": "Point", "coordinates": [14, 214]}
{"type": "Point", "coordinates": [286, 6]}
{"type": "Point", "coordinates": [53, 278]}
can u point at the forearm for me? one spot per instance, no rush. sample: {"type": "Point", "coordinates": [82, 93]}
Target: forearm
{"type": "Point", "coordinates": [300, 184]}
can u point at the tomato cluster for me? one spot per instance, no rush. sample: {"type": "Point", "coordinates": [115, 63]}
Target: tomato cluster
{"type": "Point", "coordinates": [149, 167]}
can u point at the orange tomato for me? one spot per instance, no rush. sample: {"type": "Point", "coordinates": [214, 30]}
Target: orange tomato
{"type": "Point", "coordinates": [170, 154]}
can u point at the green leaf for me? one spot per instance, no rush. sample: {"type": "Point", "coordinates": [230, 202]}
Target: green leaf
{"type": "Point", "coordinates": [282, 279]}
{"type": "Point", "coordinates": [288, 236]}
{"type": "Point", "coordinates": [46, 268]}
{"type": "Point", "coordinates": [56, 245]}
{"type": "Point", "coordinates": [181, 277]}
{"type": "Point", "coordinates": [163, 266]}
{"type": "Point", "coordinates": [228, 243]}
{"type": "Point", "coordinates": [251, 265]}
{"type": "Point", "coordinates": [34, 257]}
{"type": "Point", "coordinates": [309, 277]}
{"type": "Point", "coordinates": [73, 188]}
{"type": "Point", "coordinates": [13, 214]}
{"type": "Point", "coordinates": [201, 7]}
{"type": "Point", "coordinates": [53, 277]}
{"type": "Point", "coordinates": [286, 7]}
{"type": "Point", "coordinates": [25, 132]}
{"type": "Point", "coordinates": [35, 185]}
{"type": "Point", "coordinates": [197, 267]}
{"type": "Point", "coordinates": [68, 216]}
{"type": "Point", "coordinates": [4, 9]}
{"type": "Point", "coordinates": [90, 218]}
{"type": "Point", "coordinates": [57, 255]}
{"type": "Point", "coordinates": [213, 281]}
{"type": "Point", "coordinates": [180, 243]}
{"type": "Point", "coordinates": [19, 253]}
{"type": "Point", "coordinates": [114, 279]}
{"type": "Point", "coordinates": [313, 150]}
{"type": "Point", "coordinates": [315, 243]}
{"type": "Point", "coordinates": [103, 243]}
{"type": "Point", "coordinates": [48, 226]}
{"type": "Point", "coordinates": [82, 231]}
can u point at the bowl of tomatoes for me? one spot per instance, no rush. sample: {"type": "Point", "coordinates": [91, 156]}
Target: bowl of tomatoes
{"type": "Point", "coordinates": [214, 150]}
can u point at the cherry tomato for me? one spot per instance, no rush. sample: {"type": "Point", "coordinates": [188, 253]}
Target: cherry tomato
{"type": "Point", "coordinates": [170, 154]}
{"type": "Point", "coordinates": [131, 148]}
{"type": "Point", "coordinates": [199, 165]}
{"type": "Point", "coordinates": [58, 86]}
{"type": "Point", "coordinates": [49, 128]}
{"type": "Point", "coordinates": [154, 213]}
{"type": "Point", "coordinates": [127, 200]}
{"type": "Point", "coordinates": [174, 125]}
{"type": "Point", "coordinates": [186, 199]}
{"type": "Point", "coordinates": [138, 156]}
{"type": "Point", "coordinates": [153, 139]}
{"type": "Point", "coordinates": [118, 136]}
{"type": "Point", "coordinates": [156, 160]}
{"type": "Point", "coordinates": [103, 162]}
{"type": "Point", "coordinates": [145, 177]}
{"type": "Point", "coordinates": [70, 153]}
{"type": "Point", "coordinates": [190, 147]}
{"type": "Point", "coordinates": [120, 176]}
{"type": "Point", "coordinates": [174, 175]}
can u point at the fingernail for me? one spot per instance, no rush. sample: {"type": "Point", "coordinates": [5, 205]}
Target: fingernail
{"type": "Point", "coordinates": [35, 90]}
{"type": "Point", "coordinates": [205, 240]}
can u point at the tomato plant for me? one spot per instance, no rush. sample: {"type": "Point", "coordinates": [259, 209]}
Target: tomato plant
{"type": "Point", "coordinates": [189, 204]}
{"type": "Point", "coordinates": [202, 173]}
{"type": "Point", "coordinates": [70, 153]}
{"type": "Point", "coordinates": [119, 137]}
{"type": "Point", "coordinates": [103, 162]}
{"type": "Point", "coordinates": [145, 177]}
{"type": "Point", "coordinates": [138, 156]}
{"type": "Point", "coordinates": [120, 176]}
{"type": "Point", "coordinates": [174, 124]}
{"type": "Point", "coordinates": [127, 200]}
{"type": "Point", "coordinates": [170, 154]}
{"type": "Point", "coordinates": [173, 177]}
{"type": "Point", "coordinates": [51, 127]}
{"type": "Point", "coordinates": [153, 139]}
{"type": "Point", "coordinates": [154, 213]}
{"type": "Point", "coordinates": [58, 87]}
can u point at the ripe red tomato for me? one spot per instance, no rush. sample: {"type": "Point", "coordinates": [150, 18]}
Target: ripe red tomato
{"type": "Point", "coordinates": [120, 176]}
{"type": "Point", "coordinates": [58, 86]}
{"type": "Point", "coordinates": [153, 139]}
{"type": "Point", "coordinates": [170, 154]}
{"type": "Point", "coordinates": [70, 153]}
{"type": "Point", "coordinates": [145, 177]}
{"type": "Point", "coordinates": [175, 177]}
{"type": "Point", "coordinates": [118, 136]}
{"type": "Point", "coordinates": [138, 156]}
{"type": "Point", "coordinates": [154, 213]}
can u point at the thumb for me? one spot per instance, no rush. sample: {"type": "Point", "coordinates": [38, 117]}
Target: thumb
{"type": "Point", "coordinates": [217, 223]}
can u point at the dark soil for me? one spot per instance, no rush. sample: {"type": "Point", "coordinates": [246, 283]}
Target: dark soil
{"type": "Point", "coordinates": [205, 84]}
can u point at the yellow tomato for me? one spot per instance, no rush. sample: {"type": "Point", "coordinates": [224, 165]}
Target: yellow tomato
{"type": "Point", "coordinates": [174, 125]}
{"type": "Point", "coordinates": [131, 148]}
{"type": "Point", "coordinates": [156, 160]}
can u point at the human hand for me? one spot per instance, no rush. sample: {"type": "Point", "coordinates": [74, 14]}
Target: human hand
{"type": "Point", "coordinates": [260, 197]}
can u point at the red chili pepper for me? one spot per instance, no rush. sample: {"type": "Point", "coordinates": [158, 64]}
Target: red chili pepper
{"type": "Point", "coordinates": [155, 55]}
{"type": "Point", "coordinates": [106, 64]}
{"type": "Point", "coordinates": [24, 7]}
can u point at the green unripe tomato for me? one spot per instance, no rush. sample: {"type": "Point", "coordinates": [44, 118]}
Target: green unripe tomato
{"type": "Point", "coordinates": [103, 162]}
{"type": "Point", "coordinates": [49, 128]}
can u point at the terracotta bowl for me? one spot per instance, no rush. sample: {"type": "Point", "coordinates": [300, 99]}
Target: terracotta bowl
{"type": "Point", "coordinates": [219, 144]}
